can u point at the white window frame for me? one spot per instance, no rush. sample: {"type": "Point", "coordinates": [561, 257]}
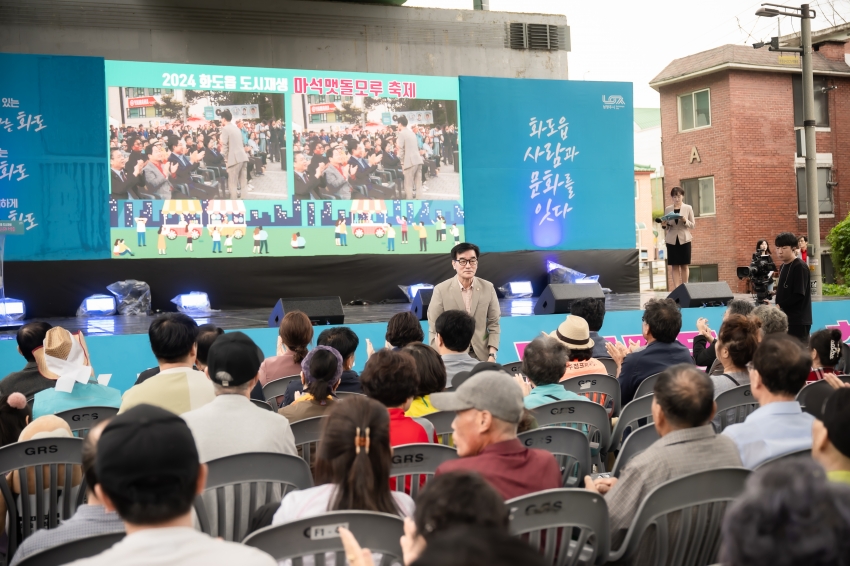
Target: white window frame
{"type": "Point", "coordinates": [679, 109]}
{"type": "Point", "coordinates": [714, 185]}
{"type": "Point", "coordinates": [822, 161]}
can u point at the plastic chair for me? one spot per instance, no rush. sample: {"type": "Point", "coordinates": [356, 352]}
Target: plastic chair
{"type": "Point", "coordinates": [640, 408]}
{"type": "Point", "coordinates": [597, 383]}
{"type": "Point", "coordinates": [416, 464]}
{"type": "Point", "coordinates": [812, 396]}
{"type": "Point", "coordinates": [274, 389]}
{"type": "Point", "coordinates": [513, 367]}
{"type": "Point", "coordinates": [570, 448]}
{"type": "Point", "coordinates": [733, 406]}
{"type": "Point", "coordinates": [569, 527]}
{"type": "Point", "coordinates": [262, 404]}
{"type": "Point", "coordinates": [577, 413]}
{"type": "Point", "coordinates": [610, 366]}
{"type": "Point", "coordinates": [74, 550]}
{"type": "Point", "coordinates": [645, 386]}
{"type": "Point", "coordinates": [805, 453]}
{"type": "Point", "coordinates": [38, 454]}
{"type": "Point", "coordinates": [314, 536]}
{"type": "Point", "coordinates": [229, 477]}
{"type": "Point", "coordinates": [685, 515]}
{"type": "Point", "coordinates": [716, 368]}
{"type": "Point", "coordinates": [442, 421]}
{"type": "Point", "coordinates": [307, 433]}
{"type": "Point", "coordinates": [638, 441]}
{"type": "Point", "coordinates": [84, 418]}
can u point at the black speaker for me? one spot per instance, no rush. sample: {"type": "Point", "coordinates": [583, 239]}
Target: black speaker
{"type": "Point", "coordinates": [714, 294]}
{"type": "Point", "coordinates": [420, 303]}
{"type": "Point", "coordinates": [557, 297]}
{"type": "Point", "coordinates": [320, 310]}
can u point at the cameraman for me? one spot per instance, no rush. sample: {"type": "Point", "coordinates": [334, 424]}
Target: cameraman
{"type": "Point", "coordinates": [763, 264]}
{"type": "Point", "coordinates": [793, 290]}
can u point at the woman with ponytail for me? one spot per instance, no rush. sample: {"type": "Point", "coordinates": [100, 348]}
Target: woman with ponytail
{"type": "Point", "coordinates": [736, 344]}
{"type": "Point", "coordinates": [352, 466]}
{"type": "Point", "coordinates": [826, 352]}
{"type": "Point", "coordinates": [294, 335]}
{"type": "Point", "coordinates": [321, 372]}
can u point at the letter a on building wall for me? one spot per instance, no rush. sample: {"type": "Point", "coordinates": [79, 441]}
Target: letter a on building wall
{"type": "Point", "coordinates": [694, 155]}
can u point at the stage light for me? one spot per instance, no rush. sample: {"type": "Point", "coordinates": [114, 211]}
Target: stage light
{"type": "Point", "coordinates": [522, 307]}
{"type": "Point", "coordinates": [411, 290]}
{"type": "Point", "coordinates": [12, 310]}
{"type": "Point", "coordinates": [194, 302]}
{"type": "Point", "coordinates": [97, 305]}
{"type": "Point", "coordinates": [516, 290]}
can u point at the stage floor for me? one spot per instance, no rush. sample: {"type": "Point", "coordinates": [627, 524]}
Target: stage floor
{"type": "Point", "coordinates": [354, 314]}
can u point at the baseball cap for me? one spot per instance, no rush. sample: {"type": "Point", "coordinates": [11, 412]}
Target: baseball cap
{"type": "Point", "coordinates": [835, 416]}
{"type": "Point", "coordinates": [493, 391]}
{"type": "Point", "coordinates": [144, 451]}
{"type": "Point", "coordinates": [233, 359]}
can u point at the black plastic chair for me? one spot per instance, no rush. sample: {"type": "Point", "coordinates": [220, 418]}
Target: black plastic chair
{"type": "Point", "coordinates": [635, 443]}
{"type": "Point", "coordinates": [733, 406]}
{"type": "Point", "coordinates": [415, 464]}
{"type": "Point", "coordinates": [645, 386]}
{"type": "Point", "coordinates": [307, 433]}
{"type": "Point", "coordinates": [74, 550]}
{"type": "Point", "coordinates": [314, 536]}
{"type": "Point", "coordinates": [570, 448]}
{"type": "Point", "coordinates": [597, 384]}
{"type": "Point", "coordinates": [683, 516]}
{"type": "Point", "coordinates": [38, 454]}
{"type": "Point", "coordinates": [569, 527]}
{"type": "Point", "coordinates": [84, 418]}
{"type": "Point", "coordinates": [267, 477]}
{"type": "Point", "coordinates": [640, 408]}
{"type": "Point", "coordinates": [274, 389]}
{"type": "Point", "coordinates": [812, 396]}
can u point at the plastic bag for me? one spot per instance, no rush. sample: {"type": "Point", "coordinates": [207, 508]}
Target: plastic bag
{"type": "Point", "coordinates": [134, 297]}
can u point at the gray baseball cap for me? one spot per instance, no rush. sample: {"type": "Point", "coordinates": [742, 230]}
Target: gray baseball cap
{"type": "Point", "coordinates": [493, 391]}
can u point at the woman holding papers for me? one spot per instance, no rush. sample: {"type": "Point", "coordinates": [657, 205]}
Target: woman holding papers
{"type": "Point", "coordinates": [678, 220]}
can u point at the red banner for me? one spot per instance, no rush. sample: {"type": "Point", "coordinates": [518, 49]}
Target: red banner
{"type": "Point", "coordinates": [322, 108]}
{"type": "Point", "coordinates": [141, 101]}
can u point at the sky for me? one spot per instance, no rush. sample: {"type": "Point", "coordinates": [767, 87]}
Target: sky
{"type": "Point", "coordinates": [632, 41]}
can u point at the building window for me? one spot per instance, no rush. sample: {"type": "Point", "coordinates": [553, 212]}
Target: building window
{"type": "Point", "coordinates": [638, 227]}
{"type": "Point", "coordinates": [168, 91]}
{"type": "Point", "coordinates": [821, 102]}
{"type": "Point", "coordinates": [334, 98]}
{"type": "Point", "coordinates": [348, 99]}
{"type": "Point", "coordinates": [318, 118]}
{"type": "Point", "coordinates": [154, 91]}
{"type": "Point", "coordinates": [824, 191]}
{"type": "Point", "coordinates": [315, 98]}
{"type": "Point", "coordinates": [699, 193]}
{"type": "Point", "coordinates": [157, 111]}
{"type": "Point", "coordinates": [135, 112]}
{"type": "Point", "coordinates": [694, 110]}
{"type": "Point", "coordinates": [134, 91]}
{"type": "Point", "coordinates": [702, 273]}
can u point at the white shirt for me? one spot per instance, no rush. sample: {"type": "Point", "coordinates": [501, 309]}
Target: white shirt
{"type": "Point", "coordinates": [232, 424]}
{"type": "Point", "coordinates": [316, 500]}
{"type": "Point", "coordinates": [177, 546]}
{"type": "Point", "coordinates": [140, 224]}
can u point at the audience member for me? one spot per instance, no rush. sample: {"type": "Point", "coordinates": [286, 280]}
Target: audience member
{"type": "Point", "coordinates": [64, 358]}
{"type": "Point", "coordinates": [489, 407]}
{"type": "Point", "coordinates": [403, 328]}
{"type": "Point", "coordinates": [575, 335]}
{"type": "Point", "coordinates": [432, 378]}
{"type": "Point", "coordinates": [28, 380]}
{"type": "Point", "coordinates": [454, 330]}
{"type": "Point", "coordinates": [788, 515]}
{"type": "Point", "coordinates": [149, 472]}
{"type": "Point", "coordinates": [544, 362]}
{"type": "Point", "coordinates": [779, 426]}
{"type": "Point", "coordinates": [449, 501]}
{"type": "Point", "coordinates": [390, 377]}
{"type": "Point", "coordinates": [735, 347]}
{"type": "Point", "coordinates": [345, 341]}
{"type": "Point", "coordinates": [773, 320]}
{"type": "Point", "coordinates": [682, 409]}
{"type": "Point", "coordinates": [294, 335]}
{"type": "Point", "coordinates": [15, 415]}
{"type": "Point", "coordinates": [469, 545]}
{"type": "Point", "coordinates": [592, 311]}
{"type": "Point", "coordinates": [662, 322]}
{"type": "Point", "coordinates": [90, 519]}
{"type": "Point", "coordinates": [704, 347]}
{"type": "Point", "coordinates": [178, 387]}
{"type": "Point", "coordinates": [231, 424]}
{"type": "Point", "coordinates": [825, 345]}
{"type": "Point", "coordinates": [831, 436]}
{"type": "Point", "coordinates": [207, 334]}
{"type": "Point", "coordinates": [321, 371]}
{"type": "Point", "coordinates": [352, 466]}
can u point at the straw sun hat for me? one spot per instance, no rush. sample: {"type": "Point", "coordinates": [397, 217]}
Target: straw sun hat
{"type": "Point", "coordinates": [574, 332]}
{"type": "Point", "coordinates": [63, 354]}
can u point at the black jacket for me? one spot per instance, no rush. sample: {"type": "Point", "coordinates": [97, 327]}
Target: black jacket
{"type": "Point", "coordinates": [704, 354]}
{"type": "Point", "coordinates": [123, 189]}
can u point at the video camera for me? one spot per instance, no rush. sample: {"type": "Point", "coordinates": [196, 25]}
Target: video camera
{"type": "Point", "coordinates": [759, 275]}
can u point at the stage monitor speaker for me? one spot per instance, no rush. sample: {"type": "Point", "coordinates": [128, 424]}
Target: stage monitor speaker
{"type": "Point", "coordinates": [714, 294]}
{"type": "Point", "coordinates": [420, 303]}
{"type": "Point", "coordinates": [320, 310]}
{"type": "Point", "coordinates": [557, 297]}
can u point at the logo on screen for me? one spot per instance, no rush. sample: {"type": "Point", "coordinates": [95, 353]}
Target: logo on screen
{"type": "Point", "coordinates": [613, 102]}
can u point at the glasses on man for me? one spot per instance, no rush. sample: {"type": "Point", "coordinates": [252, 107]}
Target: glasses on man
{"type": "Point", "coordinates": [464, 262]}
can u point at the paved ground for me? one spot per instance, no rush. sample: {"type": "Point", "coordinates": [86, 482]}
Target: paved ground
{"type": "Point", "coordinates": [271, 186]}
{"type": "Point", "coordinates": [445, 186]}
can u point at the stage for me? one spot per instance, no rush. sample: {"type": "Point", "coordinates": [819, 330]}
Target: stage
{"type": "Point", "coordinates": [119, 345]}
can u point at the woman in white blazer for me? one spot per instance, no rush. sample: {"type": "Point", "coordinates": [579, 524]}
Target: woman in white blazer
{"type": "Point", "coordinates": [679, 237]}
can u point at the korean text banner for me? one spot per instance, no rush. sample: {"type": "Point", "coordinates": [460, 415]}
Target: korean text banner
{"type": "Point", "coordinates": [53, 165]}
{"type": "Point", "coordinates": [324, 173]}
{"type": "Point", "coordinates": [548, 164]}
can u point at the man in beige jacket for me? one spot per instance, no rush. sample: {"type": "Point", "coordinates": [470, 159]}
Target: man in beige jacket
{"type": "Point", "coordinates": [234, 155]}
{"type": "Point", "coordinates": [411, 159]}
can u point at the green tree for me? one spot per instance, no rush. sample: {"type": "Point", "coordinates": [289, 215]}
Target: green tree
{"type": "Point", "coordinates": [349, 114]}
{"type": "Point", "coordinates": [169, 107]}
{"type": "Point", "coordinates": [839, 241]}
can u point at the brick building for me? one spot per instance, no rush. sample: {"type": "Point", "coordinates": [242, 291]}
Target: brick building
{"type": "Point", "coordinates": [728, 121]}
